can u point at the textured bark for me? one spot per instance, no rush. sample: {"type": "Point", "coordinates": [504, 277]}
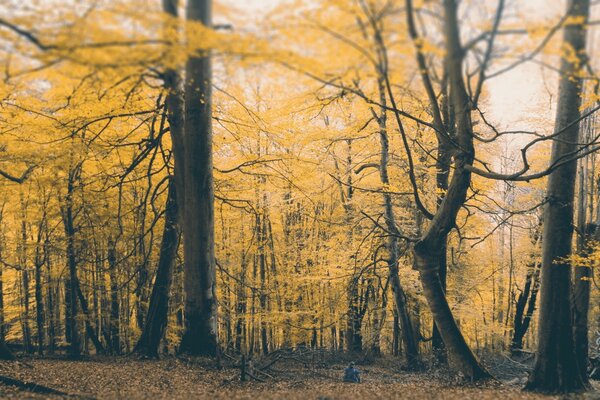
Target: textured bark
{"type": "Point", "coordinates": [428, 250]}
{"type": "Point", "coordinates": [156, 320]}
{"type": "Point", "coordinates": [200, 329]}
{"type": "Point", "coordinates": [556, 368]}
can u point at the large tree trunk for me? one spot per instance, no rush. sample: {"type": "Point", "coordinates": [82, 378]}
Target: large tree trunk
{"type": "Point", "coordinates": [556, 368]}
{"type": "Point", "coordinates": [428, 251]}
{"type": "Point", "coordinates": [156, 320]}
{"type": "Point", "coordinates": [200, 330]}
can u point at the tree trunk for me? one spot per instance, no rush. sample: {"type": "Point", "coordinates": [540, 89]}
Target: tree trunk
{"type": "Point", "coordinates": [427, 251]}
{"type": "Point", "coordinates": [115, 336]}
{"type": "Point", "coordinates": [442, 177]}
{"type": "Point", "coordinates": [5, 353]}
{"type": "Point", "coordinates": [581, 298]}
{"type": "Point", "coordinates": [156, 320]}
{"type": "Point", "coordinates": [525, 307]}
{"type": "Point", "coordinates": [70, 284]}
{"type": "Point", "coordinates": [91, 332]}
{"type": "Point", "coordinates": [411, 347]}
{"type": "Point", "coordinates": [200, 330]}
{"type": "Point", "coordinates": [556, 368]}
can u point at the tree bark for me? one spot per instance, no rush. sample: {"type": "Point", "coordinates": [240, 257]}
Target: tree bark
{"type": "Point", "coordinates": [427, 250]}
{"type": "Point", "coordinates": [200, 330]}
{"type": "Point", "coordinates": [156, 320]}
{"type": "Point", "coordinates": [556, 368]}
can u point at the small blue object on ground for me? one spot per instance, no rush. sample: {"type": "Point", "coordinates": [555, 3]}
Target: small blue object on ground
{"type": "Point", "coordinates": [351, 374]}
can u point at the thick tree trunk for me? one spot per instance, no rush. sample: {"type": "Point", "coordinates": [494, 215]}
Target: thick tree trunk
{"type": "Point", "coordinates": [427, 251]}
{"type": "Point", "coordinates": [556, 368]}
{"type": "Point", "coordinates": [200, 331]}
{"type": "Point", "coordinates": [156, 320]}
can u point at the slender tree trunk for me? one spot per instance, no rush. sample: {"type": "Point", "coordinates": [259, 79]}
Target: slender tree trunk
{"type": "Point", "coordinates": [25, 279]}
{"type": "Point", "coordinates": [442, 177]}
{"type": "Point", "coordinates": [156, 320]}
{"type": "Point", "coordinates": [70, 285]}
{"type": "Point", "coordinates": [5, 353]}
{"type": "Point", "coordinates": [39, 261]}
{"type": "Point", "coordinates": [39, 309]}
{"type": "Point", "coordinates": [50, 297]}
{"type": "Point", "coordinates": [115, 319]}
{"type": "Point", "coordinates": [525, 307]}
{"type": "Point", "coordinates": [200, 331]}
{"type": "Point", "coordinates": [556, 368]}
{"type": "Point", "coordinates": [582, 276]}
{"type": "Point", "coordinates": [89, 328]}
{"type": "Point", "coordinates": [411, 347]}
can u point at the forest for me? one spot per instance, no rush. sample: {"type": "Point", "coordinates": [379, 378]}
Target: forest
{"type": "Point", "coordinates": [302, 199]}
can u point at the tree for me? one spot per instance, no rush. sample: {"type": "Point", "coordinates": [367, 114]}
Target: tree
{"type": "Point", "coordinates": [157, 317]}
{"type": "Point", "coordinates": [427, 250]}
{"type": "Point", "coordinates": [556, 368]}
{"type": "Point", "coordinates": [200, 331]}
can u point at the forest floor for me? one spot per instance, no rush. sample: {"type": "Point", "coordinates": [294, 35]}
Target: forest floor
{"type": "Point", "coordinates": [173, 378]}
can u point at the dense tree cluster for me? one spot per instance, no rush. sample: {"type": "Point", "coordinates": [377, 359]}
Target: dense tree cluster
{"type": "Point", "coordinates": [335, 175]}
